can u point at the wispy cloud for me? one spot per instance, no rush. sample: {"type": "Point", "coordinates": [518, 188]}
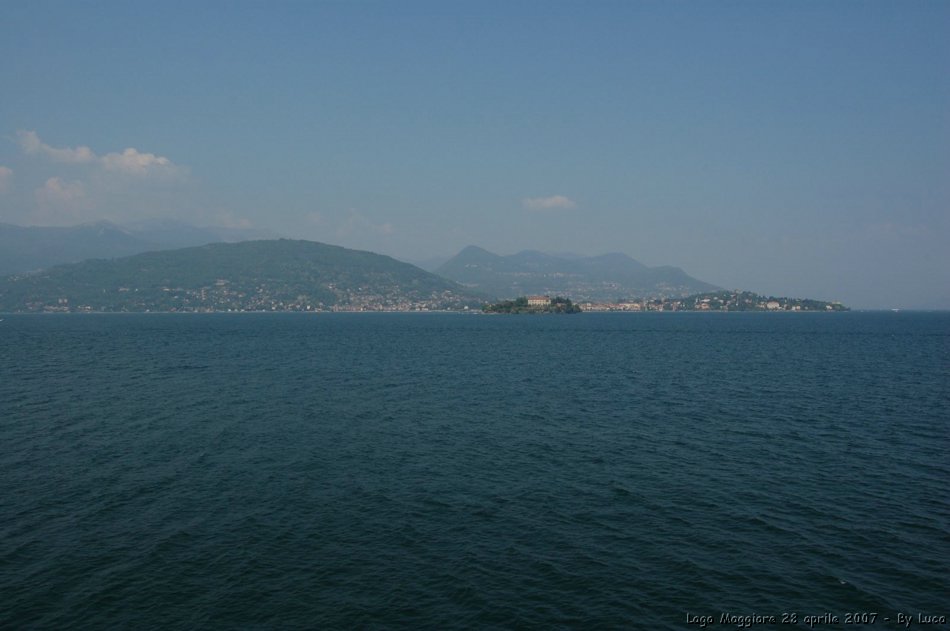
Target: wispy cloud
{"type": "Point", "coordinates": [130, 161]}
{"type": "Point", "coordinates": [57, 190]}
{"type": "Point", "coordinates": [32, 145]}
{"type": "Point", "coordinates": [135, 162]}
{"type": "Point", "coordinates": [315, 218]}
{"type": "Point", "coordinates": [553, 202]}
{"type": "Point", "coordinates": [228, 219]}
{"type": "Point", "coordinates": [6, 177]}
{"type": "Point", "coordinates": [60, 201]}
{"type": "Point", "coordinates": [356, 223]}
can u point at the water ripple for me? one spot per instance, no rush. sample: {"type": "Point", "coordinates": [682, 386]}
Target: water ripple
{"type": "Point", "coordinates": [451, 472]}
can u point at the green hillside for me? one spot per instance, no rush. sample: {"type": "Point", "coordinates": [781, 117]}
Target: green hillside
{"type": "Point", "coordinates": [281, 275]}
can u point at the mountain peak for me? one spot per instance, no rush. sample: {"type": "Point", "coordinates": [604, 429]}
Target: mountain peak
{"type": "Point", "coordinates": [604, 277]}
{"type": "Point", "coordinates": [474, 250]}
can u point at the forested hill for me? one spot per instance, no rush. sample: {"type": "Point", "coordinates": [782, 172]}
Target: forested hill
{"type": "Point", "coordinates": [277, 275]}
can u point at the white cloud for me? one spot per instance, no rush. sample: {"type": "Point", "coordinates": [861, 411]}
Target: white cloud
{"type": "Point", "coordinates": [81, 185]}
{"type": "Point", "coordinates": [554, 202]}
{"type": "Point", "coordinates": [134, 162]}
{"type": "Point", "coordinates": [6, 177]}
{"type": "Point", "coordinates": [130, 161]}
{"type": "Point", "coordinates": [30, 143]}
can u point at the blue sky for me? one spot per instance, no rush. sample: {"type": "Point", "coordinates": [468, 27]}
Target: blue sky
{"type": "Point", "coordinates": [792, 148]}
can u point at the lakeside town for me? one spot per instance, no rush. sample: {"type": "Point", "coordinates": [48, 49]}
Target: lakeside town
{"type": "Point", "coordinates": [302, 276]}
{"type": "Point", "coordinates": [735, 300]}
{"type": "Point", "coordinates": [714, 301]}
{"type": "Point", "coordinates": [222, 299]}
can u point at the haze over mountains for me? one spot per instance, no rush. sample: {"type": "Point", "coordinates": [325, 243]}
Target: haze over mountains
{"type": "Point", "coordinates": [607, 277]}
{"type": "Point", "coordinates": [32, 248]}
{"type": "Point", "coordinates": [296, 275]}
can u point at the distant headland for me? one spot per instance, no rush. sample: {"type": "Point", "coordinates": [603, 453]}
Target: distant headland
{"type": "Point", "coordinates": [718, 301]}
{"type": "Point", "coordinates": [713, 301]}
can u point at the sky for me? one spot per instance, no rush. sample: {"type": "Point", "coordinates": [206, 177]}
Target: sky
{"type": "Point", "coordinates": [789, 148]}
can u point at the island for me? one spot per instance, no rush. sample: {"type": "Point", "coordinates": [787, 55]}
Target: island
{"type": "Point", "coordinates": [533, 304]}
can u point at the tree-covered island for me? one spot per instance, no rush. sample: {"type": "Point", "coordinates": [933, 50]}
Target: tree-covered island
{"type": "Point", "coordinates": [533, 304]}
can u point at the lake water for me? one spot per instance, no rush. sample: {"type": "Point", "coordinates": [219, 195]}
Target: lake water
{"type": "Point", "coordinates": [465, 471]}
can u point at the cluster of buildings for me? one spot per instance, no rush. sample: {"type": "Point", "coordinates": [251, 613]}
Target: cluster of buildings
{"type": "Point", "coordinates": [717, 301]}
{"type": "Point", "coordinates": [225, 297]}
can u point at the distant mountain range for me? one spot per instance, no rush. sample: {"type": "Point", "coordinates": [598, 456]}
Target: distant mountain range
{"type": "Point", "coordinates": [289, 275]}
{"type": "Point", "coordinates": [279, 275]}
{"type": "Point", "coordinates": [600, 278]}
{"type": "Point", "coordinates": [31, 248]}
{"type": "Point", "coordinates": [607, 277]}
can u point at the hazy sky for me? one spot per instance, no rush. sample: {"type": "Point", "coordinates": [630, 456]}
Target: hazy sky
{"type": "Point", "coordinates": [791, 148]}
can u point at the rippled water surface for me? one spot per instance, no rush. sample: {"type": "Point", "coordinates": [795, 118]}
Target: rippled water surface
{"type": "Point", "coordinates": [446, 471]}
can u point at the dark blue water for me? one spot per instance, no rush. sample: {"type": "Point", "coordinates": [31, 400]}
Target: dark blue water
{"type": "Point", "coordinates": [451, 471]}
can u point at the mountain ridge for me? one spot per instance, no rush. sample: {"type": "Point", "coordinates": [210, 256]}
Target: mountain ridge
{"type": "Point", "coordinates": [263, 275]}
{"type": "Point", "coordinates": [602, 277]}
